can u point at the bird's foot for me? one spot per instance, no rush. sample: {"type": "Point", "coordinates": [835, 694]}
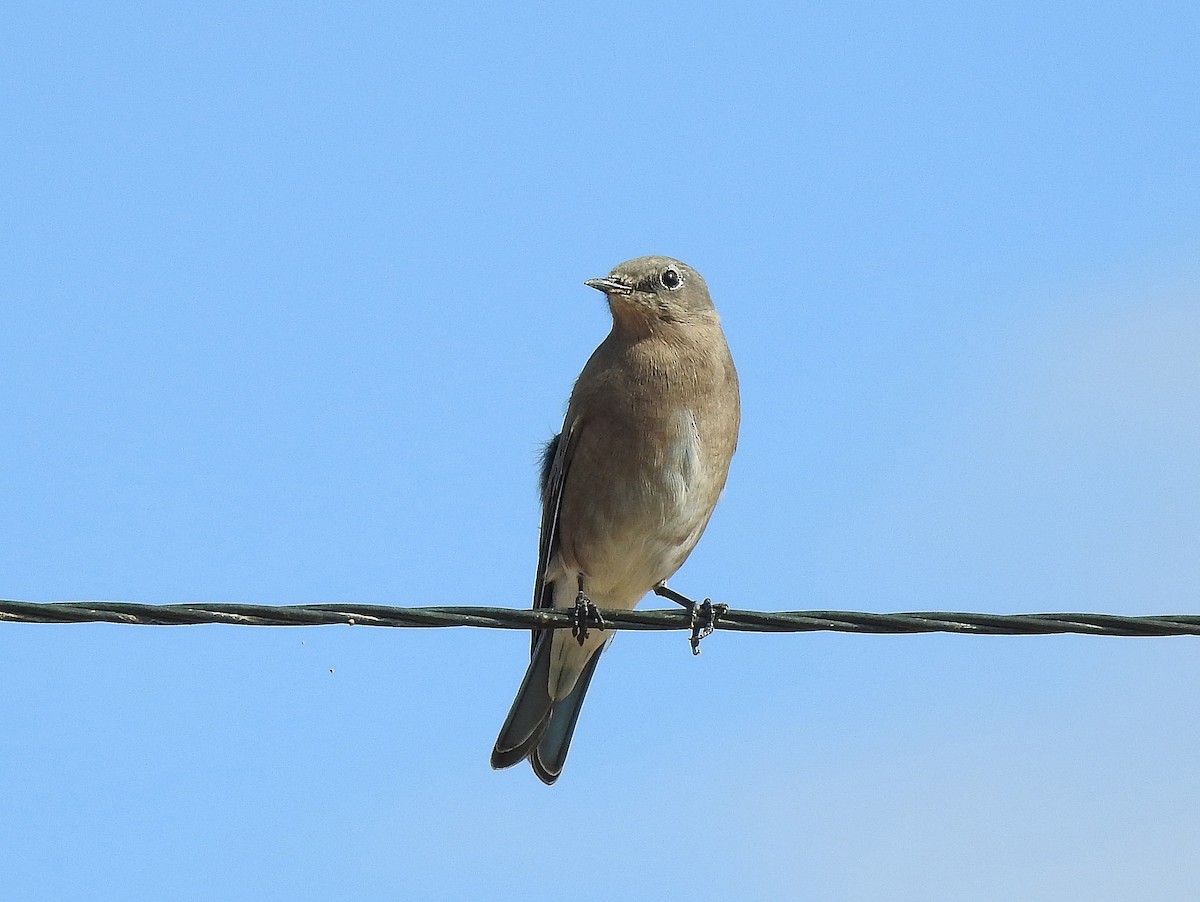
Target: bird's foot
{"type": "Point", "coordinates": [584, 615]}
{"type": "Point", "coordinates": [704, 614]}
{"type": "Point", "coordinates": [704, 620]}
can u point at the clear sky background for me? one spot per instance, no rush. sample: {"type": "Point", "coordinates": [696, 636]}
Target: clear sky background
{"type": "Point", "coordinates": [292, 294]}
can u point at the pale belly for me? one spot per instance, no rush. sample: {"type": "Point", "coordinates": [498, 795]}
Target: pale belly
{"type": "Point", "coordinates": [633, 529]}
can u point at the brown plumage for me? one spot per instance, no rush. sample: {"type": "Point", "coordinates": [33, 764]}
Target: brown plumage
{"type": "Point", "coordinates": [628, 486]}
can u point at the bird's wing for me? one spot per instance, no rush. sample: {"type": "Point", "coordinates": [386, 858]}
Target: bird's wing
{"type": "Point", "coordinates": [556, 459]}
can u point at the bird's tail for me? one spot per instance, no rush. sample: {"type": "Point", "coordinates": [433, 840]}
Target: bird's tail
{"type": "Point", "coordinates": [537, 727]}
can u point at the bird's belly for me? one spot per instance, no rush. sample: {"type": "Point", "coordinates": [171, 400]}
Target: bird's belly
{"type": "Point", "coordinates": [624, 563]}
{"type": "Point", "coordinates": [635, 529]}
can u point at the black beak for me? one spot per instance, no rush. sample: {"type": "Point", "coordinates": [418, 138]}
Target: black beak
{"type": "Point", "coordinates": [609, 286]}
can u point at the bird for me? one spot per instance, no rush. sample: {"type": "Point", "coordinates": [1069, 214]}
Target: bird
{"type": "Point", "coordinates": [627, 487]}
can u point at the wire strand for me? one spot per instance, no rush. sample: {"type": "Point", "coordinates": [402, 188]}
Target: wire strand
{"type": "Point", "coordinates": [524, 618]}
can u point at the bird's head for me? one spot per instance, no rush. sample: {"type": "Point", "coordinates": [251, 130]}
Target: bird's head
{"type": "Point", "coordinates": [649, 292]}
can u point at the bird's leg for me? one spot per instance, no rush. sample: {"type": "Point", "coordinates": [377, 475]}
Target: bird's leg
{"type": "Point", "coordinates": [586, 613]}
{"type": "Point", "coordinates": [704, 614]}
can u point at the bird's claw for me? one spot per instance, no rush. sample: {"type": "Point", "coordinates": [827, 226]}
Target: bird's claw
{"type": "Point", "coordinates": [703, 615]}
{"type": "Point", "coordinates": [584, 615]}
{"type": "Point", "coordinates": [704, 618]}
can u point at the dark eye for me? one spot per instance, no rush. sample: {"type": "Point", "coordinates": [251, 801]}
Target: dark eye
{"type": "Point", "coordinates": [671, 279]}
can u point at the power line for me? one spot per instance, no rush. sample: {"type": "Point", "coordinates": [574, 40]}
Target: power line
{"type": "Point", "coordinates": [524, 618]}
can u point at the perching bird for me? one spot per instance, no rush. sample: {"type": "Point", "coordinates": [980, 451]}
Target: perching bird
{"type": "Point", "coordinates": [627, 487]}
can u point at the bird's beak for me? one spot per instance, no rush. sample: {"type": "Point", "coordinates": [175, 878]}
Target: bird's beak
{"type": "Point", "coordinates": [609, 286]}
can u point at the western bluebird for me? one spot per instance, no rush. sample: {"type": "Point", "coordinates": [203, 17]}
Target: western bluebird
{"type": "Point", "coordinates": [627, 487]}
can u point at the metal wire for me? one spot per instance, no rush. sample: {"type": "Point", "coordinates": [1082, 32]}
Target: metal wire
{"type": "Point", "coordinates": [524, 618]}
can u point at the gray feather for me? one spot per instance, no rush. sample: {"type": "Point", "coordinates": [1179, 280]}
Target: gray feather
{"type": "Point", "coordinates": [551, 751]}
{"type": "Point", "coordinates": [530, 711]}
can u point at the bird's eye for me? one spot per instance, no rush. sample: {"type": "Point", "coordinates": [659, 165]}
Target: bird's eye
{"type": "Point", "coordinates": [671, 279]}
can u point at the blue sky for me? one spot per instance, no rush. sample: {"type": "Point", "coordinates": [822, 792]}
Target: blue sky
{"type": "Point", "coordinates": [292, 296]}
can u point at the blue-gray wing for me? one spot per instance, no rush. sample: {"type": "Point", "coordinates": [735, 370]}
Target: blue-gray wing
{"type": "Point", "coordinates": [556, 458]}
